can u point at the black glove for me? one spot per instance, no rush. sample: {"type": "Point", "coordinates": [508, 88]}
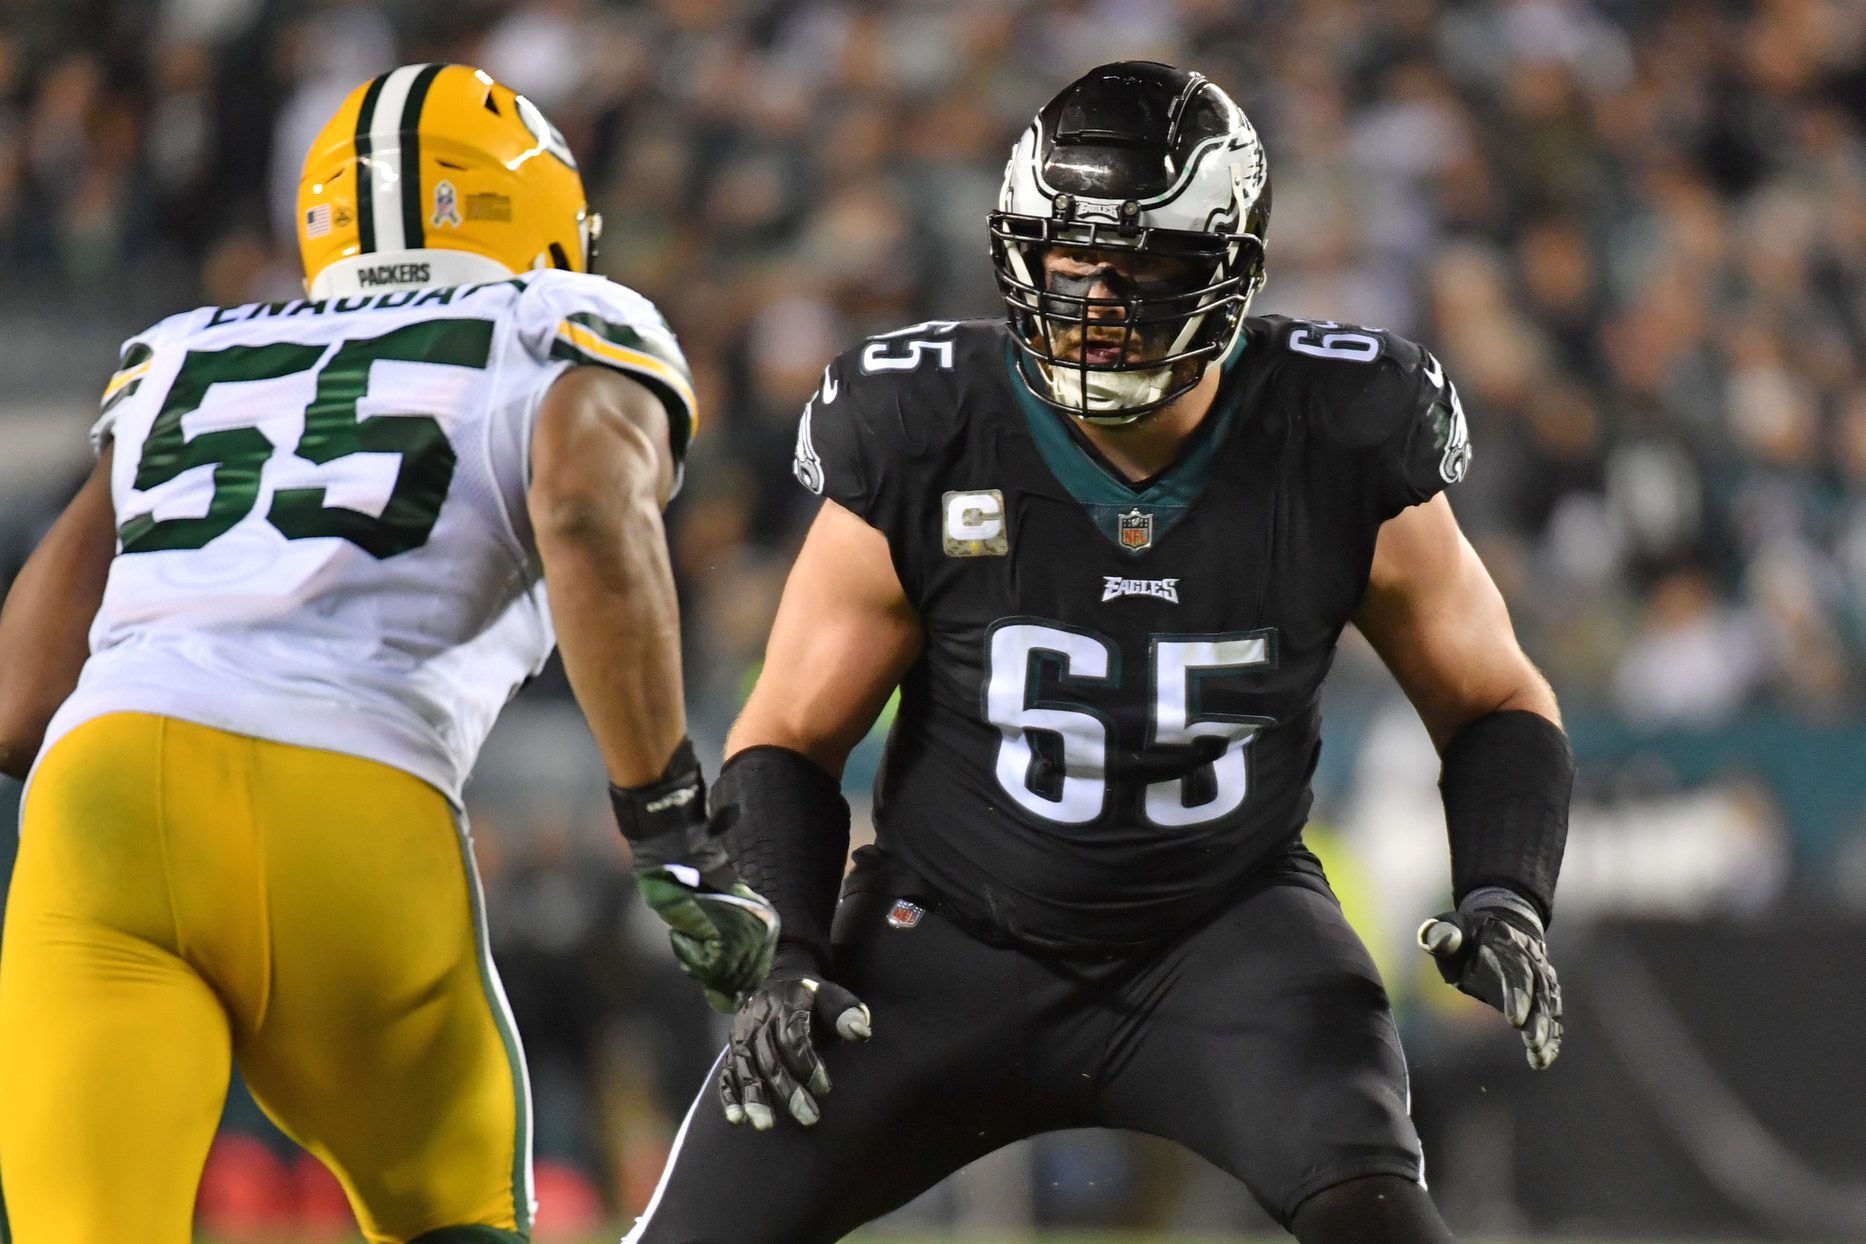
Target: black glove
{"type": "Point", "coordinates": [773, 1055]}
{"type": "Point", "coordinates": [1492, 948]}
{"type": "Point", "coordinates": [723, 932]}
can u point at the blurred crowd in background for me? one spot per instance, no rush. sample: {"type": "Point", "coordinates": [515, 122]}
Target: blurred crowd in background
{"type": "Point", "coordinates": [1634, 230]}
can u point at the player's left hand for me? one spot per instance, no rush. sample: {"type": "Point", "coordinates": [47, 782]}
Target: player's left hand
{"type": "Point", "coordinates": [773, 1055]}
{"type": "Point", "coordinates": [1497, 954]}
{"type": "Point", "coordinates": [722, 930]}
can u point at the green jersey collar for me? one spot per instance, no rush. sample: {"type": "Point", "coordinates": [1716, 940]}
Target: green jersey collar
{"type": "Point", "coordinates": [1133, 516]}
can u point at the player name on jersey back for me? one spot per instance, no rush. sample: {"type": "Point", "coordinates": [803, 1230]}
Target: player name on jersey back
{"type": "Point", "coordinates": [392, 300]}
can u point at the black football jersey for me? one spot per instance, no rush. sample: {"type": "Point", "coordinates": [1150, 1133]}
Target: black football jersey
{"type": "Point", "coordinates": [1115, 716]}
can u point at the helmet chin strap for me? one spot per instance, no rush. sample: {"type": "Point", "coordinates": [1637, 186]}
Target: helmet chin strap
{"type": "Point", "coordinates": [1110, 396]}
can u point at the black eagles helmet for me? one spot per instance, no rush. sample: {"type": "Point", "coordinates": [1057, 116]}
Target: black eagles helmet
{"type": "Point", "coordinates": [1143, 157]}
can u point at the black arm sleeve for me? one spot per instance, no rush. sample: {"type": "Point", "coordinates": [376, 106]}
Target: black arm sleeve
{"type": "Point", "coordinates": [786, 826]}
{"type": "Point", "coordinates": [1507, 778]}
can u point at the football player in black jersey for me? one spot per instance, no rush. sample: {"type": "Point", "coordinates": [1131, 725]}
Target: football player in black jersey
{"type": "Point", "coordinates": [1105, 549]}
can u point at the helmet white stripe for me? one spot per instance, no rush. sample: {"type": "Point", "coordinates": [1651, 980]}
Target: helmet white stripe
{"type": "Point", "coordinates": [385, 157]}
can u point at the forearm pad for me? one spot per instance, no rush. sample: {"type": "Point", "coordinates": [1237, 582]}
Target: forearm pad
{"type": "Point", "coordinates": [786, 825]}
{"type": "Point", "coordinates": [1507, 778]}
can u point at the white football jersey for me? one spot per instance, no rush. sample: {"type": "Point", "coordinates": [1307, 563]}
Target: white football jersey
{"type": "Point", "coordinates": [321, 521]}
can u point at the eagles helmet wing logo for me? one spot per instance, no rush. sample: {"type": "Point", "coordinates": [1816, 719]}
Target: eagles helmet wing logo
{"type": "Point", "coordinates": [1136, 530]}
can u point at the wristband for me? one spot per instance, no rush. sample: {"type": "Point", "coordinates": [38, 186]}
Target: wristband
{"type": "Point", "coordinates": [787, 825]}
{"type": "Point", "coordinates": [1502, 898]}
{"type": "Point", "coordinates": [665, 821]}
{"type": "Point", "coordinates": [1506, 779]}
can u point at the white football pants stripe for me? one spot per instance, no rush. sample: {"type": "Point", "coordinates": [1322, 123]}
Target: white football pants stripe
{"type": "Point", "coordinates": [708, 1094]}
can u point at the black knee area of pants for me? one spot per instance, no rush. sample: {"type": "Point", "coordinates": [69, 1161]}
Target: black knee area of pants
{"type": "Point", "coordinates": [471, 1235]}
{"type": "Point", "coordinates": [1377, 1209]}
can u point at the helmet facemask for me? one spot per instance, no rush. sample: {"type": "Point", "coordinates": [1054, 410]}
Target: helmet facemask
{"type": "Point", "coordinates": [590, 230]}
{"type": "Point", "coordinates": [1174, 306]}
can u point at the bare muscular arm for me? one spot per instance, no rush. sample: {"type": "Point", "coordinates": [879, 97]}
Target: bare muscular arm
{"type": "Point", "coordinates": [45, 625]}
{"type": "Point", "coordinates": [1436, 618]}
{"type": "Point", "coordinates": [844, 637]}
{"type": "Point", "coordinates": [601, 470]}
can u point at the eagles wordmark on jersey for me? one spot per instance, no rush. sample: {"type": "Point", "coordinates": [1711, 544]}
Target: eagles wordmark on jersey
{"type": "Point", "coordinates": [1116, 713]}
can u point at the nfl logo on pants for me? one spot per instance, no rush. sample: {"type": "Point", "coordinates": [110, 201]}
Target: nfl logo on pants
{"type": "Point", "coordinates": [1136, 530]}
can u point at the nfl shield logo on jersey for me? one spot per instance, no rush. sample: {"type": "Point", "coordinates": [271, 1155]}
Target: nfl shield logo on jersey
{"type": "Point", "coordinates": [905, 915]}
{"type": "Point", "coordinates": [1136, 531]}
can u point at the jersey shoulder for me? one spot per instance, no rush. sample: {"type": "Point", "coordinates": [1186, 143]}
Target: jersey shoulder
{"type": "Point", "coordinates": [583, 318]}
{"type": "Point", "coordinates": [552, 291]}
{"type": "Point", "coordinates": [136, 359]}
{"type": "Point", "coordinates": [1354, 384]}
{"type": "Point", "coordinates": [904, 390]}
{"type": "Point", "coordinates": [1371, 393]}
{"type": "Point", "coordinates": [889, 400]}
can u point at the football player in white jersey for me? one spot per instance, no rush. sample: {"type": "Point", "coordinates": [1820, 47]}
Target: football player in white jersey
{"type": "Point", "coordinates": [324, 543]}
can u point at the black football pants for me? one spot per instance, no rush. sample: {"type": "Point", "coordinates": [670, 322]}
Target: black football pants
{"type": "Point", "coordinates": [1261, 1040]}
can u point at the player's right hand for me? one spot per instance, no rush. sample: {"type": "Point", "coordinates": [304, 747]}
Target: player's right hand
{"type": "Point", "coordinates": [1496, 953]}
{"type": "Point", "coordinates": [773, 1056]}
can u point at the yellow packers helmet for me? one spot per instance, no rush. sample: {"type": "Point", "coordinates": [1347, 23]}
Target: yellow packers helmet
{"type": "Point", "coordinates": [438, 175]}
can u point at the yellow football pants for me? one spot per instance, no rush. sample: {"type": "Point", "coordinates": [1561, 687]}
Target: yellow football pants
{"type": "Point", "coordinates": [184, 896]}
